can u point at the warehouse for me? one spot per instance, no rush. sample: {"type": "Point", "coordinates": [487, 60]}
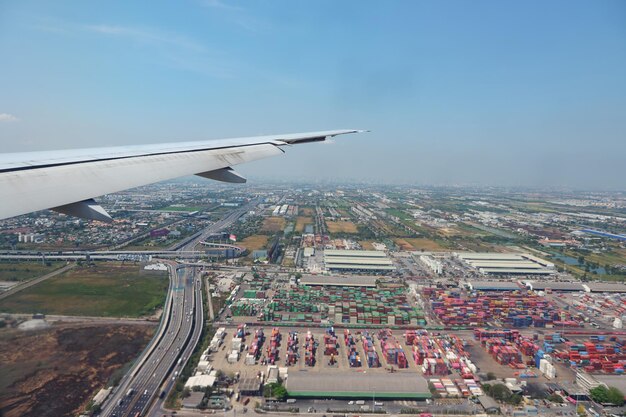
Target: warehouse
{"type": "Point", "coordinates": [493, 286]}
{"type": "Point", "coordinates": [554, 286]}
{"type": "Point", "coordinates": [355, 253]}
{"type": "Point", "coordinates": [370, 261]}
{"type": "Point", "coordinates": [353, 385]}
{"type": "Point", "coordinates": [604, 287]}
{"type": "Point", "coordinates": [351, 281]}
{"type": "Point", "coordinates": [250, 386]}
{"type": "Point", "coordinates": [489, 404]}
{"type": "Point", "coordinates": [507, 264]}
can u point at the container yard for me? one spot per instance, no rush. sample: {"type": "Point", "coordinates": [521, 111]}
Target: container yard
{"type": "Point", "coordinates": [350, 350]}
{"type": "Point", "coordinates": [440, 355]}
{"type": "Point", "coordinates": [354, 359]}
{"type": "Point", "coordinates": [446, 387]}
{"type": "Point", "coordinates": [323, 306]}
{"type": "Point", "coordinates": [607, 307]}
{"type": "Point", "coordinates": [517, 309]}
{"type": "Point", "coordinates": [597, 354]}
{"type": "Point", "coordinates": [392, 349]}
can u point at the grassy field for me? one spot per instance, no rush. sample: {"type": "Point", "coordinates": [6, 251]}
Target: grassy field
{"type": "Point", "coordinates": [254, 242]}
{"type": "Point", "coordinates": [341, 227]}
{"type": "Point", "coordinates": [301, 222]}
{"type": "Point", "coordinates": [111, 289]}
{"type": "Point", "coordinates": [273, 224]}
{"type": "Point", "coordinates": [23, 271]}
{"type": "Point", "coordinates": [421, 244]}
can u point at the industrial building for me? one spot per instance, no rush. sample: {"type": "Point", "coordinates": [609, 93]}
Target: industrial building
{"type": "Point", "coordinates": [353, 385]}
{"type": "Point", "coordinates": [351, 281]}
{"type": "Point", "coordinates": [370, 261]}
{"type": "Point", "coordinates": [250, 386]}
{"type": "Point", "coordinates": [493, 286]}
{"type": "Point", "coordinates": [554, 286]}
{"type": "Point", "coordinates": [604, 287]}
{"type": "Point", "coordinates": [507, 263]}
{"type": "Point", "coordinates": [201, 381]}
{"type": "Point", "coordinates": [489, 404]}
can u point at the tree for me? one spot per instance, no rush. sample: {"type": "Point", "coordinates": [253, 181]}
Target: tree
{"type": "Point", "coordinates": [500, 392]}
{"type": "Point", "coordinates": [275, 390]}
{"type": "Point", "coordinates": [611, 395]}
{"type": "Point", "coordinates": [491, 376]}
{"type": "Point", "coordinates": [514, 399]}
{"type": "Point", "coordinates": [616, 396]}
{"type": "Point", "coordinates": [555, 399]}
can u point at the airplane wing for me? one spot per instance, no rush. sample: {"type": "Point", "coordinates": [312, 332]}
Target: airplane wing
{"type": "Point", "coordinates": [68, 181]}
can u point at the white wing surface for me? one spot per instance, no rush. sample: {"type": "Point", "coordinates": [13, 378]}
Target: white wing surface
{"type": "Point", "coordinates": [68, 181]}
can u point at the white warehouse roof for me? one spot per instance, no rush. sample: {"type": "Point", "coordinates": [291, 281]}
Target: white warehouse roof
{"type": "Point", "coordinates": [355, 253]}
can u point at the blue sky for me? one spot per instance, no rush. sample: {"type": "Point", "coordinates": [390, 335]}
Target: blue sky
{"type": "Point", "coordinates": [454, 92]}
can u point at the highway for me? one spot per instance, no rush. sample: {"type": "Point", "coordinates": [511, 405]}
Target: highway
{"type": "Point", "coordinates": [156, 370]}
{"type": "Point", "coordinates": [165, 357]}
{"type": "Point", "coordinates": [189, 244]}
{"type": "Point", "coordinates": [156, 410]}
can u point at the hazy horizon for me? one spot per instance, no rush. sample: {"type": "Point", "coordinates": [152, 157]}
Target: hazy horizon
{"type": "Point", "coordinates": [485, 93]}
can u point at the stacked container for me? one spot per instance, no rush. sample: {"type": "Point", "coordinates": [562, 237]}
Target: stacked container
{"type": "Point", "coordinates": [310, 348]}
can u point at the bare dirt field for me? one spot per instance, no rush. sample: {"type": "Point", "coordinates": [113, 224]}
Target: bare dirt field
{"type": "Point", "coordinates": [273, 224]}
{"type": "Point", "coordinates": [56, 371]}
{"type": "Point", "coordinates": [366, 244]}
{"type": "Point", "coordinates": [425, 244]}
{"type": "Point", "coordinates": [306, 211]}
{"type": "Point", "coordinates": [301, 222]}
{"type": "Point", "coordinates": [341, 227]}
{"type": "Point", "coordinates": [403, 244]}
{"type": "Point", "coordinates": [254, 242]}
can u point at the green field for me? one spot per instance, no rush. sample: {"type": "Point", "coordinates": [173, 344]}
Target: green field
{"type": "Point", "coordinates": [111, 290]}
{"type": "Point", "coordinates": [23, 271]}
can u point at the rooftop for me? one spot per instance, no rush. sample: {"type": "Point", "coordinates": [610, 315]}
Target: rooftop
{"type": "Point", "coordinates": [355, 253]}
{"type": "Point", "coordinates": [361, 261]}
{"type": "Point", "coordinates": [606, 287]}
{"type": "Point", "coordinates": [352, 281]}
{"type": "Point", "coordinates": [488, 255]}
{"type": "Point", "coordinates": [555, 286]}
{"type": "Point", "coordinates": [494, 285]}
{"type": "Point", "coordinates": [249, 384]}
{"type": "Point", "coordinates": [362, 267]}
{"type": "Point", "coordinates": [357, 385]}
{"type": "Point", "coordinates": [518, 271]}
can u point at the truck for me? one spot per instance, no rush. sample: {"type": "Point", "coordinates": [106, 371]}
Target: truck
{"type": "Point", "coordinates": [130, 392]}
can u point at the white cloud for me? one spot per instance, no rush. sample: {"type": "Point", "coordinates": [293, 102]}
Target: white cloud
{"type": "Point", "coordinates": [217, 4]}
{"type": "Point", "coordinates": [6, 117]}
{"type": "Point", "coordinates": [146, 35]}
